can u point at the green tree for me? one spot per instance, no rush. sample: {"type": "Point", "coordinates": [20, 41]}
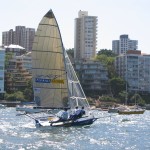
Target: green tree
{"type": "Point", "coordinates": [122, 97]}
{"type": "Point", "coordinates": [70, 52]}
{"type": "Point", "coordinates": [106, 52]}
{"type": "Point", "coordinates": [109, 63]}
{"type": "Point", "coordinates": [8, 56]}
{"type": "Point", "coordinates": [28, 92]}
{"type": "Point", "coordinates": [102, 58]}
{"type": "Point", "coordinates": [17, 96]}
{"type": "Point", "coordinates": [146, 97]}
{"type": "Point", "coordinates": [108, 99]}
{"type": "Point", "coordinates": [117, 85]}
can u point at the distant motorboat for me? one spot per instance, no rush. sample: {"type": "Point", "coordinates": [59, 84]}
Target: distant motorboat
{"type": "Point", "coordinates": [2, 106]}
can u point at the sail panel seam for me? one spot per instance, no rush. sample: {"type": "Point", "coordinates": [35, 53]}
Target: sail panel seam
{"type": "Point", "coordinates": [48, 24]}
{"type": "Point", "coordinates": [51, 88]}
{"type": "Point", "coordinates": [46, 51]}
{"type": "Point", "coordinates": [47, 36]}
{"type": "Point", "coordinates": [48, 69]}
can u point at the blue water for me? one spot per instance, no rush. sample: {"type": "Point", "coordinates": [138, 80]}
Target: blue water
{"type": "Point", "coordinates": [129, 132]}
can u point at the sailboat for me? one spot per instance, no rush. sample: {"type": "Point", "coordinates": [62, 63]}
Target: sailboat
{"type": "Point", "coordinates": [55, 82]}
{"type": "Point", "coordinates": [136, 109]}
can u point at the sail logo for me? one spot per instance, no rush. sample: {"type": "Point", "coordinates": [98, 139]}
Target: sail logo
{"type": "Point", "coordinates": [40, 80]}
{"type": "Point", "coordinates": [57, 81]}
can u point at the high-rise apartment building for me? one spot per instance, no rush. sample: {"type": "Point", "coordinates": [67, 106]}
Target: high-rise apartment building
{"type": "Point", "coordinates": [85, 36]}
{"type": "Point", "coordinates": [124, 44]}
{"type": "Point", "coordinates": [21, 36]}
{"type": "Point", "coordinates": [8, 37]}
{"type": "Point", "coordinates": [29, 36]}
{"type": "Point", "coordinates": [5, 38]}
{"type": "Point", "coordinates": [135, 69]}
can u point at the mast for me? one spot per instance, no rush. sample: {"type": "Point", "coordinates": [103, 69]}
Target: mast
{"type": "Point", "coordinates": [126, 98]}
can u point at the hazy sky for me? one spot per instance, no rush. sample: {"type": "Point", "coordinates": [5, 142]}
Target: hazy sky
{"type": "Point", "coordinates": [115, 17]}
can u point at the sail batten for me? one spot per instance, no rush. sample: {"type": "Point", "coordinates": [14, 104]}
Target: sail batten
{"type": "Point", "coordinates": [46, 51]}
{"type": "Point", "coordinates": [48, 69]}
{"type": "Point", "coordinates": [47, 24]}
{"type": "Point", "coordinates": [52, 88]}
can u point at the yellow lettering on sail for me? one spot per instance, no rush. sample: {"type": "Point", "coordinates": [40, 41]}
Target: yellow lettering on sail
{"type": "Point", "coordinates": [58, 81]}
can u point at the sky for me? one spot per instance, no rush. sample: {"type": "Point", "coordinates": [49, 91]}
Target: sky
{"type": "Point", "coordinates": [115, 17]}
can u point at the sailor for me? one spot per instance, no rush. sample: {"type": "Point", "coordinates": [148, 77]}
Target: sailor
{"type": "Point", "coordinates": [73, 112]}
{"type": "Point", "coordinates": [64, 116]}
{"type": "Point", "coordinates": [80, 112]}
{"type": "Point", "coordinates": [76, 109]}
{"type": "Point", "coordinates": [77, 114]}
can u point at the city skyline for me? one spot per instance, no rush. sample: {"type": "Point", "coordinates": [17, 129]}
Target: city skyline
{"type": "Point", "coordinates": [21, 36]}
{"type": "Point", "coordinates": [114, 18]}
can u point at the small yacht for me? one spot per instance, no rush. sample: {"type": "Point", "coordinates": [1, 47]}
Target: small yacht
{"type": "Point", "coordinates": [132, 110]}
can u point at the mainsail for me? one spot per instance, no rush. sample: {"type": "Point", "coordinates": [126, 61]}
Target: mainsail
{"type": "Point", "coordinates": [55, 83]}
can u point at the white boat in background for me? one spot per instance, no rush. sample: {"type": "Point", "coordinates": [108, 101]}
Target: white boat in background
{"type": "Point", "coordinates": [29, 109]}
{"type": "Point", "coordinates": [55, 82]}
{"type": "Point", "coordinates": [116, 109]}
{"type": "Point", "coordinates": [2, 106]}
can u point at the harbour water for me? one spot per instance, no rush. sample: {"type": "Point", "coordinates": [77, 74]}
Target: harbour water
{"type": "Point", "coordinates": [118, 132]}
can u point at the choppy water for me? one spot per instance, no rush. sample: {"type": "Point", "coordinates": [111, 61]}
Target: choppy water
{"type": "Point", "coordinates": [130, 132]}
